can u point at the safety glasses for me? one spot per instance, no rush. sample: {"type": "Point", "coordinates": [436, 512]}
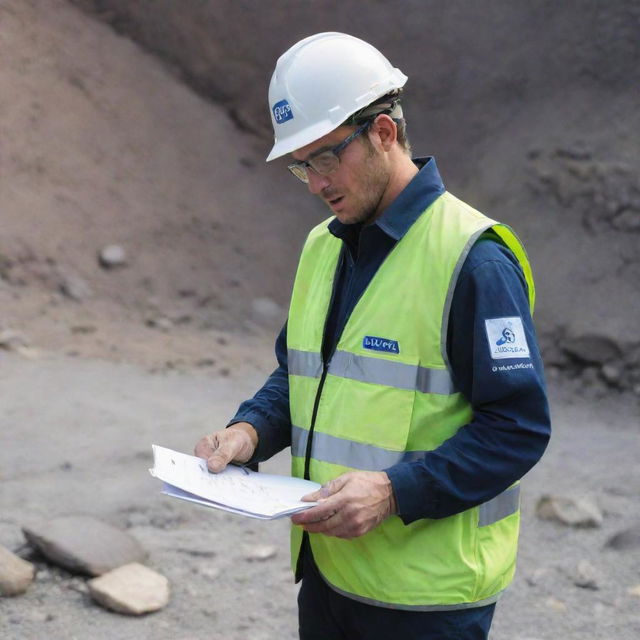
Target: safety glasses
{"type": "Point", "coordinates": [325, 161]}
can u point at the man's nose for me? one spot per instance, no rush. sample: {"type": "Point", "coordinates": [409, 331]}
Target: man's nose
{"type": "Point", "coordinates": [316, 182]}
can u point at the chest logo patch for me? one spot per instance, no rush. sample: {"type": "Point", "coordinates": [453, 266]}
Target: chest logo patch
{"type": "Point", "coordinates": [506, 338]}
{"type": "Point", "coordinates": [380, 344]}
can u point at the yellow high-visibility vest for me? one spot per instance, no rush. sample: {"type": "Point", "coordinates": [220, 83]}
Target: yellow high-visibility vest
{"type": "Point", "coordinates": [387, 395]}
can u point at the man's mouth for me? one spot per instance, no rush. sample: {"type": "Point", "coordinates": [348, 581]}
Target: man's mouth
{"type": "Point", "coordinates": [333, 202]}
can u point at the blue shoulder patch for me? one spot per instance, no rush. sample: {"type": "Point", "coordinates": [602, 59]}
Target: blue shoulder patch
{"type": "Point", "coordinates": [380, 344]}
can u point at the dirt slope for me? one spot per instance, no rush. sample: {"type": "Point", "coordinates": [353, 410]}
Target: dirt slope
{"type": "Point", "coordinates": [101, 145]}
{"type": "Point", "coordinates": [529, 107]}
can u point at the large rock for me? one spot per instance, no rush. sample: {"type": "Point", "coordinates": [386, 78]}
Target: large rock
{"type": "Point", "coordinates": [16, 574]}
{"type": "Point", "coordinates": [132, 589]}
{"type": "Point", "coordinates": [575, 512]}
{"type": "Point", "coordinates": [84, 544]}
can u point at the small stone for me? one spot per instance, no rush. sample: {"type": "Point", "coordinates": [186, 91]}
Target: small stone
{"type": "Point", "coordinates": [39, 616]}
{"type": "Point", "coordinates": [266, 308]}
{"type": "Point", "coordinates": [574, 512]}
{"type": "Point", "coordinates": [112, 256]}
{"type": "Point", "coordinates": [43, 575]}
{"type": "Point", "coordinates": [611, 374]}
{"type": "Point", "coordinates": [77, 585]}
{"type": "Point", "coordinates": [83, 329]}
{"type": "Point", "coordinates": [16, 574]}
{"type": "Point", "coordinates": [132, 589]}
{"type": "Point", "coordinates": [591, 377]}
{"type": "Point", "coordinates": [556, 605]}
{"type": "Point", "coordinates": [586, 576]}
{"type": "Point", "coordinates": [260, 553]}
{"type": "Point", "coordinates": [12, 340]}
{"type": "Point", "coordinates": [211, 573]}
{"type": "Point", "coordinates": [75, 287]}
{"type": "Point", "coordinates": [627, 220]}
{"type": "Point", "coordinates": [634, 591]}
{"type": "Point", "coordinates": [161, 323]}
{"type": "Point", "coordinates": [84, 544]}
{"type": "Point", "coordinates": [28, 352]}
{"type": "Point", "coordinates": [537, 576]}
{"type": "Point", "coordinates": [626, 540]}
{"type": "Point", "coordinates": [592, 349]}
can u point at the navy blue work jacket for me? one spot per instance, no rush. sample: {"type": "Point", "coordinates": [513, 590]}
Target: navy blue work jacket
{"type": "Point", "coordinates": [510, 427]}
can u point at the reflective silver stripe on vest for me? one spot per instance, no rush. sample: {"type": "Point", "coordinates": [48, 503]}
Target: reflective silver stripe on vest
{"type": "Point", "coordinates": [391, 374]}
{"type": "Point", "coordinates": [348, 453]}
{"type": "Point", "coordinates": [500, 507]}
{"type": "Point", "coordinates": [415, 607]}
{"type": "Point", "coordinates": [368, 457]}
{"type": "Point", "coordinates": [304, 363]}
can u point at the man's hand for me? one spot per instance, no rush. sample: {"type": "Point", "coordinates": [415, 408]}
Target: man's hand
{"type": "Point", "coordinates": [234, 444]}
{"type": "Point", "coordinates": [349, 506]}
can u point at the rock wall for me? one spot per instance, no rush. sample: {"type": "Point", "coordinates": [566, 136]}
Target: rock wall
{"type": "Point", "coordinates": [529, 107]}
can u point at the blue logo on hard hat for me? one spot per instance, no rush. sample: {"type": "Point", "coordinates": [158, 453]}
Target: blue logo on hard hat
{"type": "Point", "coordinates": [282, 111]}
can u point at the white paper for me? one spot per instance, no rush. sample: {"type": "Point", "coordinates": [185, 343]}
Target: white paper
{"type": "Point", "coordinates": [236, 489]}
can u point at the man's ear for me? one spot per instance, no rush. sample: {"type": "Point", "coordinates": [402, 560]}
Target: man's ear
{"type": "Point", "coordinates": [386, 129]}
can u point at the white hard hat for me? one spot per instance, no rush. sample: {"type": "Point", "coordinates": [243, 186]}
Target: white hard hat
{"type": "Point", "coordinates": [321, 81]}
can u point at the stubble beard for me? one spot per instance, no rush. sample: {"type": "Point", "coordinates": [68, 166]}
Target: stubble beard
{"type": "Point", "coordinates": [370, 191]}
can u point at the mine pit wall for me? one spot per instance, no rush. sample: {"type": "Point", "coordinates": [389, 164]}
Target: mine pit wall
{"type": "Point", "coordinates": [529, 107]}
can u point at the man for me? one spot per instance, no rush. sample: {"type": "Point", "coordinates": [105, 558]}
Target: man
{"type": "Point", "coordinates": [409, 382]}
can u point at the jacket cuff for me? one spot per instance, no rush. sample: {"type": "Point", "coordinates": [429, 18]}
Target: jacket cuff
{"type": "Point", "coordinates": [415, 498]}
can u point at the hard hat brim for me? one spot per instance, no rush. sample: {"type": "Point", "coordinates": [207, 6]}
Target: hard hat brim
{"type": "Point", "coordinates": [301, 139]}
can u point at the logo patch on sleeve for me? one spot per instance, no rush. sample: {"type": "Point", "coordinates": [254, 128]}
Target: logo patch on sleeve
{"type": "Point", "coordinates": [380, 344]}
{"type": "Point", "coordinates": [506, 338]}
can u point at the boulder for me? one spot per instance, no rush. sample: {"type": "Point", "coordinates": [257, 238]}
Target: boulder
{"type": "Point", "coordinates": [132, 589]}
{"type": "Point", "coordinates": [84, 544]}
{"type": "Point", "coordinates": [16, 574]}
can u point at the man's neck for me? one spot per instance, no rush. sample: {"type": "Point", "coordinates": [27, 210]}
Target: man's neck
{"type": "Point", "coordinates": [404, 170]}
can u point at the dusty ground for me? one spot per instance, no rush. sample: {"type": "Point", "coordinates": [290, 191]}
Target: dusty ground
{"type": "Point", "coordinates": [75, 438]}
{"type": "Point", "coordinates": [99, 145]}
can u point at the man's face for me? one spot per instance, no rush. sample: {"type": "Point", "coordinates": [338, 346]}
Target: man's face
{"type": "Point", "coordinates": [354, 191]}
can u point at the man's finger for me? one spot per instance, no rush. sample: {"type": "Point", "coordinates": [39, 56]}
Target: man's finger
{"type": "Point", "coordinates": [330, 488]}
{"type": "Point", "coordinates": [221, 457]}
{"type": "Point", "coordinates": [205, 447]}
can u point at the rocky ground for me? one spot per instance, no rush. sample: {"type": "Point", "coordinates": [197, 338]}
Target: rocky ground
{"type": "Point", "coordinates": [158, 339]}
{"type": "Point", "coordinates": [76, 438]}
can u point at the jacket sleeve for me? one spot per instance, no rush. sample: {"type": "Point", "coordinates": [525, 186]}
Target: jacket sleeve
{"type": "Point", "coordinates": [510, 426]}
{"type": "Point", "coordinates": [268, 410]}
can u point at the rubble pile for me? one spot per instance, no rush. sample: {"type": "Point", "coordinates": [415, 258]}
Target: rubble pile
{"type": "Point", "coordinates": [85, 546]}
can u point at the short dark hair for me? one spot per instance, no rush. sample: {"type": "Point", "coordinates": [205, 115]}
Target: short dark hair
{"type": "Point", "coordinates": [403, 138]}
{"type": "Point", "coordinates": [390, 105]}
